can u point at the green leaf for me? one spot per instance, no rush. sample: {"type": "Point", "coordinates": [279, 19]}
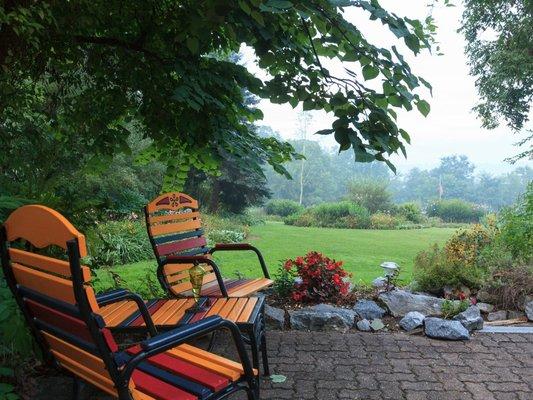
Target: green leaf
{"type": "Point", "coordinates": [192, 44]}
{"type": "Point", "coordinates": [413, 43]}
{"type": "Point", "coordinates": [370, 72]}
{"type": "Point", "coordinates": [424, 107]}
{"type": "Point", "coordinates": [405, 136]}
{"type": "Point", "coordinates": [245, 7]}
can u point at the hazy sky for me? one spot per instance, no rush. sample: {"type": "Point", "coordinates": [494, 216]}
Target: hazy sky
{"type": "Point", "coordinates": [451, 127]}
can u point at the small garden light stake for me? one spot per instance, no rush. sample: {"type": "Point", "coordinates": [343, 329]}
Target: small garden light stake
{"type": "Point", "coordinates": [392, 270]}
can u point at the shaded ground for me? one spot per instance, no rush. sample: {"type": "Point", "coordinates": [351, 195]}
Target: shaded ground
{"type": "Point", "coordinates": [326, 366]}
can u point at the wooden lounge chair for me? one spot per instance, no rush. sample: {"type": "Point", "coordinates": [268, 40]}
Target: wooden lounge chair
{"type": "Point", "coordinates": [175, 231]}
{"type": "Point", "coordinates": [63, 314]}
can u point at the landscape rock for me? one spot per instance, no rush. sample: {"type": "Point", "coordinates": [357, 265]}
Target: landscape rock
{"type": "Point", "coordinates": [377, 324]}
{"type": "Point", "coordinates": [512, 314]}
{"type": "Point", "coordinates": [470, 318]}
{"type": "Point", "coordinates": [412, 320]}
{"type": "Point", "coordinates": [528, 307]}
{"type": "Point", "coordinates": [485, 307]}
{"type": "Point", "coordinates": [439, 328]}
{"type": "Point", "coordinates": [379, 282]}
{"type": "Point", "coordinates": [322, 317]}
{"type": "Point", "coordinates": [400, 302]}
{"type": "Point", "coordinates": [363, 325]}
{"type": "Point", "coordinates": [497, 316]}
{"type": "Point", "coordinates": [368, 309]}
{"type": "Point", "coordinates": [274, 317]}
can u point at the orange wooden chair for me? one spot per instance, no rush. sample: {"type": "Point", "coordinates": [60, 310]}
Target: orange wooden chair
{"type": "Point", "coordinates": [59, 305]}
{"type": "Point", "coordinates": [175, 231]}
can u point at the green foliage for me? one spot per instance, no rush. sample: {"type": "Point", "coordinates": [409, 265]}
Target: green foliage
{"type": "Point", "coordinates": [455, 210]}
{"type": "Point", "coordinates": [118, 242]}
{"type": "Point", "coordinates": [15, 338]}
{"type": "Point", "coordinates": [162, 65]}
{"type": "Point", "coordinates": [450, 308]}
{"type": "Point", "coordinates": [501, 61]}
{"type": "Point", "coordinates": [225, 236]}
{"type": "Point", "coordinates": [433, 271]}
{"type": "Point", "coordinates": [371, 194]}
{"type": "Point", "coordinates": [284, 282]}
{"type": "Point", "coordinates": [342, 214]}
{"type": "Point", "coordinates": [384, 221]}
{"type": "Point", "coordinates": [410, 212]}
{"type": "Point", "coordinates": [283, 208]}
{"type": "Point", "coordinates": [516, 227]}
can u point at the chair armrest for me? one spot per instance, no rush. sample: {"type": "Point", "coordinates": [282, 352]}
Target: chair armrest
{"type": "Point", "coordinates": [176, 336]}
{"type": "Point", "coordinates": [123, 294]}
{"type": "Point", "coordinates": [242, 246]}
{"type": "Point", "coordinates": [195, 260]}
{"type": "Point", "coordinates": [180, 335]}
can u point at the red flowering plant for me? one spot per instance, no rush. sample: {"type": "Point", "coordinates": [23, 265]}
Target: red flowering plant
{"type": "Point", "coordinates": [317, 278]}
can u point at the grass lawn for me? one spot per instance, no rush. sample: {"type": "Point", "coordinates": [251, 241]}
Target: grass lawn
{"type": "Point", "coordinates": [361, 250]}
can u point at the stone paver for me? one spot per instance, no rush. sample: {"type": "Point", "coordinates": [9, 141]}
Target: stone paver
{"type": "Point", "coordinates": [323, 366]}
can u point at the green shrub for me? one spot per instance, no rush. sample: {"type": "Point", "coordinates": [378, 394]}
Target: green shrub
{"type": "Point", "coordinates": [455, 210]}
{"type": "Point", "coordinates": [283, 208]}
{"type": "Point", "coordinates": [410, 212]}
{"type": "Point", "coordinates": [371, 194]}
{"type": "Point", "coordinates": [225, 236]}
{"type": "Point", "coordinates": [118, 242]}
{"type": "Point", "coordinates": [384, 221]}
{"type": "Point", "coordinates": [450, 308]}
{"type": "Point", "coordinates": [15, 337]}
{"type": "Point", "coordinates": [516, 227]}
{"type": "Point", "coordinates": [433, 271]}
{"type": "Point", "coordinates": [342, 214]}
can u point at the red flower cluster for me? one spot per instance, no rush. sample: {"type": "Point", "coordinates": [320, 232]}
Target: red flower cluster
{"type": "Point", "coordinates": [321, 279]}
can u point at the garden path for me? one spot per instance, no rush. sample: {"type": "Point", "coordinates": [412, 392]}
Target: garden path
{"type": "Point", "coordinates": [324, 366]}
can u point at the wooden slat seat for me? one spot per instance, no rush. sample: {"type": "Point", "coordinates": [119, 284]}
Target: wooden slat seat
{"type": "Point", "coordinates": [168, 313]}
{"type": "Point", "coordinates": [63, 313]}
{"type": "Point", "coordinates": [175, 229]}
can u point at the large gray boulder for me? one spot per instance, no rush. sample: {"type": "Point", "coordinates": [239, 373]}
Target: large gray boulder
{"type": "Point", "coordinates": [470, 318]}
{"type": "Point", "coordinates": [322, 317]}
{"type": "Point", "coordinates": [368, 309]}
{"type": "Point", "coordinates": [439, 328]}
{"type": "Point", "coordinates": [412, 320]}
{"type": "Point", "coordinates": [528, 307]}
{"type": "Point", "coordinates": [400, 302]}
{"type": "Point", "coordinates": [274, 317]}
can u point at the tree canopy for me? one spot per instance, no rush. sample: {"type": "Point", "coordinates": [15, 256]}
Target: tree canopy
{"type": "Point", "coordinates": [499, 46]}
{"type": "Point", "coordinates": [87, 69]}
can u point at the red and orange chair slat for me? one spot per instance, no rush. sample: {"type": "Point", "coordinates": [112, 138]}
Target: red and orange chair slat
{"type": "Point", "coordinates": [62, 312]}
{"type": "Point", "coordinates": [175, 230]}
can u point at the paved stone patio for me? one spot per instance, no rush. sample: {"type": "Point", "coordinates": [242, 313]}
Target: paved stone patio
{"type": "Point", "coordinates": [325, 366]}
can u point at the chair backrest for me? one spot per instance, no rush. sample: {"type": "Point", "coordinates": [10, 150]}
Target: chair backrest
{"type": "Point", "coordinates": [175, 228]}
{"type": "Point", "coordinates": [55, 295]}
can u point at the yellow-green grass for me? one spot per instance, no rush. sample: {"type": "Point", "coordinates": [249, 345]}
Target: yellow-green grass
{"type": "Point", "coordinates": [361, 250]}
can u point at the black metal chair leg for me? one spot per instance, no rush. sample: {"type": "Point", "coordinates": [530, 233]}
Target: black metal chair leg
{"type": "Point", "coordinates": [76, 389]}
{"type": "Point", "coordinates": [212, 341]}
{"type": "Point", "coordinates": [255, 350]}
{"type": "Point", "coordinates": [264, 355]}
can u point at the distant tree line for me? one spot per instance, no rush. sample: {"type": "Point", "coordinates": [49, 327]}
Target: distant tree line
{"type": "Point", "coordinates": [330, 177]}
